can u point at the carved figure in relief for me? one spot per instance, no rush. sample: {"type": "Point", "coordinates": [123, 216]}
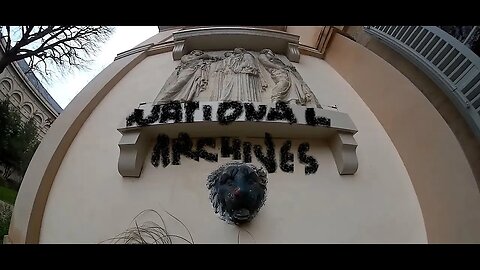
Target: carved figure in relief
{"type": "Point", "coordinates": [188, 79]}
{"type": "Point", "coordinates": [289, 85]}
{"type": "Point", "coordinates": [236, 77]}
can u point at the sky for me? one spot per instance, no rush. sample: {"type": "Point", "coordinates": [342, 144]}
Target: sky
{"type": "Point", "coordinates": [64, 89]}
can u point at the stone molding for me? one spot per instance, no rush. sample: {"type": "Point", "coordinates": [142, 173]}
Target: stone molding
{"type": "Point", "coordinates": [227, 38]}
{"type": "Point", "coordinates": [339, 135]}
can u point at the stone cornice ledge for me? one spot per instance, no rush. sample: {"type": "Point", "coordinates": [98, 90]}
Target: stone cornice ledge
{"type": "Point", "coordinates": [229, 38]}
{"type": "Point", "coordinates": [135, 139]}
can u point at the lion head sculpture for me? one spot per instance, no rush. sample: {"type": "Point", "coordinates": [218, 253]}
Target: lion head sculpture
{"type": "Point", "coordinates": [237, 191]}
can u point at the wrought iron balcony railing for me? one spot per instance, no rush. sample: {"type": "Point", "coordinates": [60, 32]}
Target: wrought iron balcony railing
{"type": "Point", "coordinates": [447, 61]}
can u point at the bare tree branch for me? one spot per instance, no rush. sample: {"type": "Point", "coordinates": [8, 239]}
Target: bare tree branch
{"type": "Point", "coordinates": [64, 47]}
{"type": "Point", "coordinates": [29, 30]}
{"type": "Point", "coordinates": [25, 40]}
{"type": "Point", "coordinates": [8, 37]}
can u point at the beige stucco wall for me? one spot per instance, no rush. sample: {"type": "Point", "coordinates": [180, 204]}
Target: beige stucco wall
{"type": "Point", "coordinates": [89, 201]}
{"type": "Point", "coordinates": [308, 34]}
{"type": "Point", "coordinates": [437, 166]}
{"type": "Point", "coordinates": [437, 97]}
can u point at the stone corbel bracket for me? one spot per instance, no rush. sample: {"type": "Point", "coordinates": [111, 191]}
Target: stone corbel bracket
{"type": "Point", "coordinates": [343, 147]}
{"type": "Point", "coordinates": [136, 140]}
{"type": "Point", "coordinates": [133, 149]}
{"type": "Point", "coordinates": [229, 38]}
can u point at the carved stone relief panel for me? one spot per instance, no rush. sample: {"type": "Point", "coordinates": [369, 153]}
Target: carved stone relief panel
{"type": "Point", "coordinates": [236, 75]}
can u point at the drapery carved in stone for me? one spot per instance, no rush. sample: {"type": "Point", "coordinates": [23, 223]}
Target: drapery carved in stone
{"type": "Point", "coordinates": [237, 75]}
{"type": "Point", "coordinates": [289, 85]}
{"type": "Point", "coordinates": [188, 79]}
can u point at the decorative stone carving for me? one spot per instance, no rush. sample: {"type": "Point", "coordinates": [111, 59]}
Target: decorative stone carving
{"type": "Point", "coordinates": [289, 85]}
{"type": "Point", "coordinates": [293, 54]}
{"type": "Point", "coordinates": [237, 191]}
{"type": "Point", "coordinates": [228, 38]}
{"type": "Point", "coordinates": [339, 133]}
{"type": "Point", "coordinates": [178, 49]}
{"type": "Point", "coordinates": [236, 77]}
{"type": "Point", "coordinates": [188, 79]}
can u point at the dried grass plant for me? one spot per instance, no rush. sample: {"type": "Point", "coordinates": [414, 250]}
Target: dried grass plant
{"type": "Point", "coordinates": [149, 232]}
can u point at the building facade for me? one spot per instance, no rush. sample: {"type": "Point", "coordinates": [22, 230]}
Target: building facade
{"type": "Point", "coordinates": [302, 134]}
{"type": "Point", "coordinates": [27, 93]}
